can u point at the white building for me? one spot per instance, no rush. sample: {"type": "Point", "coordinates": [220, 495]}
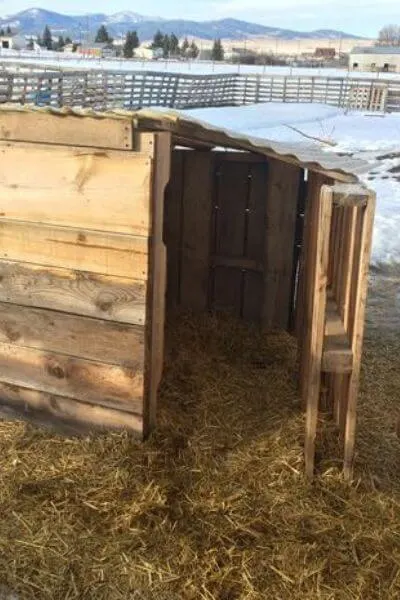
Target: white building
{"type": "Point", "coordinates": [148, 53]}
{"type": "Point", "coordinates": [12, 42]}
{"type": "Point", "coordinates": [375, 58]}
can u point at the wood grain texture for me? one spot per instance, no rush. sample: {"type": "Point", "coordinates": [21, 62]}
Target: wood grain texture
{"type": "Point", "coordinates": [49, 330]}
{"type": "Point", "coordinates": [154, 360]}
{"type": "Point", "coordinates": [102, 190]}
{"type": "Point", "coordinates": [196, 230]}
{"type": "Point", "coordinates": [283, 193]}
{"type": "Point", "coordinates": [361, 263]}
{"type": "Point", "coordinates": [89, 381]}
{"type": "Point", "coordinates": [65, 415]}
{"type": "Point", "coordinates": [69, 130]}
{"type": "Point", "coordinates": [80, 249]}
{"type": "Point", "coordinates": [319, 234]}
{"type": "Point", "coordinates": [79, 292]}
{"type": "Point", "coordinates": [173, 227]}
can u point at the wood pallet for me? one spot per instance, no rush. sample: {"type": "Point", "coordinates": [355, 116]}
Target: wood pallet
{"type": "Point", "coordinates": [331, 314]}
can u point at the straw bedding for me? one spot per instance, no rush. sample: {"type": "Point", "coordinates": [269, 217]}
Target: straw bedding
{"type": "Point", "coordinates": [214, 506]}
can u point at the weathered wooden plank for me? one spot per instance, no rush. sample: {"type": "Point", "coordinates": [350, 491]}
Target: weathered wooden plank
{"type": "Point", "coordinates": [337, 354]}
{"type": "Point", "coordinates": [256, 211]}
{"type": "Point", "coordinates": [253, 295]}
{"type": "Point", "coordinates": [228, 290]}
{"type": "Point", "coordinates": [196, 230]}
{"type": "Point", "coordinates": [65, 415]}
{"type": "Point", "coordinates": [93, 382]}
{"type": "Point", "coordinates": [173, 226]}
{"type": "Point", "coordinates": [363, 246]}
{"type": "Point", "coordinates": [65, 129]}
{"type": "Point", "coordinates": [347, 265]}
{"type": "Point", "coordinates": [104, 341]}
{"type": "Point", "coordinates": [81, 249]}
{"type": "Point", "coordinates": [319, 233]}
{"type": "Point", "coordinates": [233, 189]}
{"type": "Point", "coordinates": [232, 194]}
{"type": "Point", "coordinates": [349, 195]}
{"type": "Point", "coordinates": [109, 298]}
{"type": "Point", "coordinates": [107, 191]}
{"type": "Point", "coordinates": [283, 193]}
{"type": "Point", "coordinates": [157, 281]}
{"type": "Point", "coordinates": [306, 273]}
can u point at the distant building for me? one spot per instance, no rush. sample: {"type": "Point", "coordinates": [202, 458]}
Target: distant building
{"type": "Point", "coordinates": [12, 42]}
{"type": "Point", "coordinates": [96, 51]}
{"type": "Point", "coordinates": [376, 58]}
{"type": "Point", "coordinates": [325, 53]}
{"type": "Point", "coordinates": [148, 53]}
{"type": "Point", "coordinates": [70, 47]}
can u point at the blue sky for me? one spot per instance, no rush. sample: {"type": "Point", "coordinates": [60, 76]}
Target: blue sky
{"type": "Point", "coordinates": [357, 16]}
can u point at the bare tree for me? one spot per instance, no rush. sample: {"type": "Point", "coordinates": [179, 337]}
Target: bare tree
{"type": "Point", "coordinates": [389, 36]}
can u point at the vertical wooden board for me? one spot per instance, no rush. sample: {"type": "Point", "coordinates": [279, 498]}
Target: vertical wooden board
{"type": "Point", "coordinates": [257, 211]}
{"type": "Point", "coordinates": [232, 200]}
{"type": "Point", "coordinates": [196, 230]}
{"type": "Point", "coordinates": [316, 321]}
{"type": "Point", "coordinates": [173, 226]}
{"type": "Point", "coordinates": [228, 289]}
{"type": "Point", "coordinates": [157, 281]}
{"type": "Point", "coordinates": [357, 324]}
{"type": "Point", "coordinates": [253, 296]}
{"type": "Point", "coordinates": [307, 272]}
{"type": "Point", "coordinates": [283, 192]}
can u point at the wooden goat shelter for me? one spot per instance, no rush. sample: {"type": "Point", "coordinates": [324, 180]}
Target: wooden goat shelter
{"type": "Point", "coordinates": [108, 221]}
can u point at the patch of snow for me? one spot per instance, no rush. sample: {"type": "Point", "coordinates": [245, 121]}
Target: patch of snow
{"type": "Point", "coordinates": [375, 138]}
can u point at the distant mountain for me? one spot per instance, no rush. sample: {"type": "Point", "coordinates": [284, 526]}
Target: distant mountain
{"type": "Point", "coordinates": [33, 21]}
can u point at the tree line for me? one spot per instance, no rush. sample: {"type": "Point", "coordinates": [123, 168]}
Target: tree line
{"type": "Point", "coordinates": [169, 45]}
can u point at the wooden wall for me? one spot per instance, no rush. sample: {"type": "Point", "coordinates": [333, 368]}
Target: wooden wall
{"type": "Point", "coordinates": [78, 247]}
{"type": "Point", "coordinates": [230, 229]}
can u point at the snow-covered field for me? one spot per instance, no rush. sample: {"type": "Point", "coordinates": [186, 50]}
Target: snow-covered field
{"type": "Point", "coordinates": [373, 137]}
{"type": "Point", "coordinates": [66, 61]}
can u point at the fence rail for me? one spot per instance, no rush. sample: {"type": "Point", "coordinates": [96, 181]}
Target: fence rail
{"type": "Point", "coordinates": [133, 89]}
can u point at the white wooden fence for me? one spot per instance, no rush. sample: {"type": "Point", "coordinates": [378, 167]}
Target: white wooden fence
{"type": "Point", "coordinates": [133, 89]}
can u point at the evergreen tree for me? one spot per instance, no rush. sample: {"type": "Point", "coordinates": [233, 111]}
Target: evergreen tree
{"type": "Point", "coordinates": [158, 40]}
{"type": "Point", "coordinates": [131, 43]}
{"type": "Point", "coordinates": [47, 40]}
{"type": "Point", "coordinates": [173, 45]}
{"type": "Point", "coordinates": [9, 31]}
{"type": "Point", "coordinates": [2, 32]}
{"type": "Point", "coordinates": [185, 47]}
{"type": "Point", "coordinates": [217, 52]}
{"type": "Point", "coordinates": [193, 51]}
{"type": "Point", "coordinates": [68, 40]}
{"type": "Point", "coordinates": [60, 43]}
{"type": "Point", "coordinates": [166, 46]}
{"type": "Point", "coordinates": [135, 40]}
{"type": "Point", "coordinates": [102, 36]}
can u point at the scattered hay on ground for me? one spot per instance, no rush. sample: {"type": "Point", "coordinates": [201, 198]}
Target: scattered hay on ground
{"type": "Point", "coordinates": [214, 506]}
